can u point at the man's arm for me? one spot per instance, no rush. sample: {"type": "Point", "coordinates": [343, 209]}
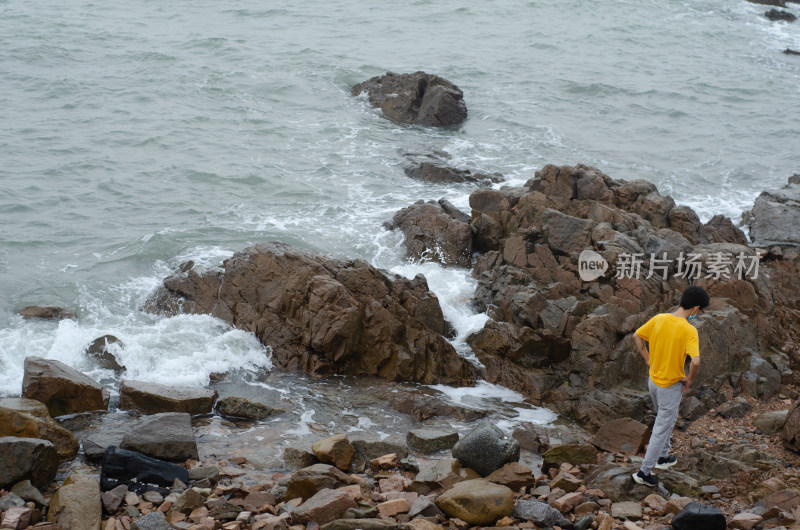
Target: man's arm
{"type": "Point", "coordinates": [693, 369]}
{"type": "Point", "coordinates": [642, 348]}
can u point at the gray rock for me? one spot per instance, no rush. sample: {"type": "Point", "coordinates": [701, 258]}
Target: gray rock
{"type": "Point", "coordinates": [584, 522]}
{"type": "Point", "coordinates": [431, 440]}
{"type": "Point", "coordinates": [154, 398]}
{"type": "Point", "coordinates": [96, 443]}
{"type": "Point", "coordinates": [11, 500]}
{"type": "Point", "coordinates": [204, 472]}
{"type": "Point", "coordinates": [152, 521]}
{"type": "Point", "coordinates": [29, 492]}
{"type": "Point", "coordinates": [299, 457]}
{"type": "Point", "coordinates": [771, 422]}
{"type": "Point", "coordinates": [166, 436]}
{"type": "Point", "coordinates": [775, 217]}
{"type": "Point", "coordinates": [189, 500]}
{"type": "Point", "coordinates": [486, 448]}
{"type": "Point", "coordinates": [617, 483]}
{"type": "Point", "coordinates": [369, 446]}
{"type": "Point", "coordinates": [626, 509]}
{"type": "Point", "coordinates": [540, 514]}
{"type": "Point", "coordinates": [737, 408]}
{"type": "Point", "coordinates": [153, 496]}
{"type": "Point", "coordinates": [425, 507]}
{"type": "Point", "coordinates": [27, 458]}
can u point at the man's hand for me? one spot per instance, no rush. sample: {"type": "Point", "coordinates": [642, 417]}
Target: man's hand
{"type": "Point", "coordinates": [686, 384]}
{"type": "Point", "coordinates": [694, 367]}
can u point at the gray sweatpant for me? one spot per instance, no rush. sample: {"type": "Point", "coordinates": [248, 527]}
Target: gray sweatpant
{"type": "Point", "coordinates": [666, 401]}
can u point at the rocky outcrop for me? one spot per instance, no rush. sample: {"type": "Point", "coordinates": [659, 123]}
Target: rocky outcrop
{"type": "Point", "coordinates": [154, 398]}
{"type": "Point", "coordinates": [435, 231]}
{"type": "Point", "coordinates": [775, 216]}
{"type": "Point", "coordinates": [418, 98]}
{"type": "Point", "coordinates": [439, 174]}
{"type": "Point", "coordinates": [61, 388]}
{"type": "Point", "coordinates": [324, 316]}
{"type": "Point", "coordinates": [27, 459]}
{"type": "Point", "coordinates": [564, 339]}
{"type": "Point", "coordinates": [28, 418]}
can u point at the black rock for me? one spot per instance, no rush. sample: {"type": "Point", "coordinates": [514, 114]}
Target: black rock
{"type": "Point", "coordinates": [789, 51]}
{"type": "Point", "coordinates": [486, 448]}
{"type": "Point", "coordinates": [100, 351]}
{"type": "Point", "coordinates": [139, 472]}
{"type": "Point", "coordinates": [776, 14]}
{"type": "Point", "coordinates": [540, 514]}
{"type": "Point", "coordinates": [696, 515]}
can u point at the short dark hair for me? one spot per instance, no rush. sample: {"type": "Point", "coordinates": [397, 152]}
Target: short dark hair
{"type": "Point", "coordinates": [694, 296]}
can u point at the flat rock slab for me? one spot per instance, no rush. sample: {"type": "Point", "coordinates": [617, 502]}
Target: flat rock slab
{"type": "Point", "coordinates": [154, 398]}
{"type": "Point", "coordinates": [624, 435]}
{"type": "Point", "coordinates": [61, 388]}
{"type": "Point", "coordinates": [166, 436]}
{"type": "Point", "coordinates": [431, 440]}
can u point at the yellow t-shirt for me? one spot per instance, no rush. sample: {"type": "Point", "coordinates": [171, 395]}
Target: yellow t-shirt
{"type": "Point", "coordinates": [671, 339]}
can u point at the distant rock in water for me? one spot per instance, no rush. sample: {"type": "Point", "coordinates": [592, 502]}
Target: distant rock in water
{"type": "Point", "coordinates": [789, 51]}
{"type": "Point", "coordinates": [46, 313]}
{"type": "Point", "coordinates": [778, 3]}
{"type": "Point", "coordinates": [775, 217]}
{"type": "Point", "coordinates": [775, 14]}
{"type": "Point", "coordinates": [418, 98]}
{"type": "Point", "coordinates": [429, 172]}
{"type": "Point", "coordinates": [324, 316]}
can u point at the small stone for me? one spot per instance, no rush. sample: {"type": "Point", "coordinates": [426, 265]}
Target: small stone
{"type": "Point", "coordinates": [745, 521]}
{"type": "Point", "coordinates": [154, 497]}
{"type": "Point", "coordinates": [586, 507]}
{"type": "Point", "coordinates": [384, 462]}
{"type": "Point", "coordinates": [539, 513]}
{"type": "Point", "coordinates": [657, 503]}
{"type": "Point", "coordinates": [566, 482]}
{"type": "Point", "coordinates": [151, 521]}
{"type": "Point", "coordinates": [114, 497]}
{"type": "Point", "coordinates": [392, 508]}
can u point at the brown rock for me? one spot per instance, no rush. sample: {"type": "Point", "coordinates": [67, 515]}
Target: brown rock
{"type": "Point", "coordinates": [418, 98]}
{"type": "Point", "coordinates": [324, 316]}
{"type": "Point", "coordinates": [574, 454]}
{"type": "Point", "coordinates": [336, 450]}
{"type": "Point", "coordinates": [154, 398]}
{"type": "Point", "coordinates": [786, 500]}
{"type": "Point", "coordinates": [513, 475]}
{"type": "Point", "coordinates": [566, 482]}
{"type": "Point", "coordinates": [624, 435]}
{"type": "Point", "coordinates": [440, 476]}
{"type": "Point", "coordinates": [308, 481]}
{"type": "Point", "coordinates": [657, 503]}
{"type": "Point", "coordinates": [384, 462]}
{"type": "Point", "coordinates": [393, 507]}
{"type": "Point", "coordinates": [477, 501]}
{"type": "Point", "coordinates": [676, 504]}
{"type": "Point", "coordinates": [62, 389]}
{"type": "Point", "coordinates": [745, 521]}
{"type": "Point", "coordinates": [46, 313]}
{"type": "Point", "coordinates": [76, 504]}
{"type": "Point", "coordinates": [16, 518]}
{"type": "Point", "coordinates": [567, 502]}
{"type": "Point", "coordinates": [27, 418]}
{"type": "Point", "coordinates": [325, 506]}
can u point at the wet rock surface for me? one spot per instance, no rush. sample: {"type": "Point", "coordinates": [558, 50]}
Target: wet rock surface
{"type": "Point", "coordinates": [27, 459]}
{"type": "Point", "coordinates": [418, 98]}
{"type": "Point", "coordinates": [62, 389]}
{"type": "Point", "coordinates": [154, 398]}
{"type": "Point", "coordinates": [324, 316]}
{"type": "Point", "coordinates": [28, 418]}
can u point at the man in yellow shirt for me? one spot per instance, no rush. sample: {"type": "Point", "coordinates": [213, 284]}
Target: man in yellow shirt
{"type": "Point", "coordinates": [670, 338]}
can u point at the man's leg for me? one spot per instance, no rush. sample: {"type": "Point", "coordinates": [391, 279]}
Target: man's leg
{"type": "Point", "coordinates": [669, 400]}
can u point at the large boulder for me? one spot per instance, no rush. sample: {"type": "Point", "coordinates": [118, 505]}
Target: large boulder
{"type": "Point", "coordinates": [478, 502]}
{"type": "Point", "coordinates": [324, 507]}
{"type": "Point", "coordinates": [76, 504]}
{"type": "Point", "coordinates": [486, 448]}
{"type": "Point", "coordinates": [166, 436]}
{"type": "Point", "coordinates": [154, 398]}
{"type": "Point", "coordinates": [433, 234]}
{"type": "Point", "coordinates": [27, 458]}
{"type": "Point", "coordinates": [324, 316]}
{"type": "Point", "coordinates": [61, 388]}
{"type": "Point", "coordinates": [139, 472]}
{"type": "Point", "coordinates": [418, 98]}
{"type": "Point", "coordinates": [28, 418]}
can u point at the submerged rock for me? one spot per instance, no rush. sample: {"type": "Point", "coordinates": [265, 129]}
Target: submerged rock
{"type": "Point", "coordinates": [418, 98]}
{"type": "Point", "coordinates": [101, 350]}
{"type": "Point", "coordinates": [776, 14]}
{"type": "Point", "coordinates": [61, 388]}
{"type": "Point", "coordinates": [46, 313]}
{"type": "Point", "coordinates": [430, 172]}
{"type": "Point", "coordinates": [237, 407]}
{"type": "Point", "coordinates": [324, 316]}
